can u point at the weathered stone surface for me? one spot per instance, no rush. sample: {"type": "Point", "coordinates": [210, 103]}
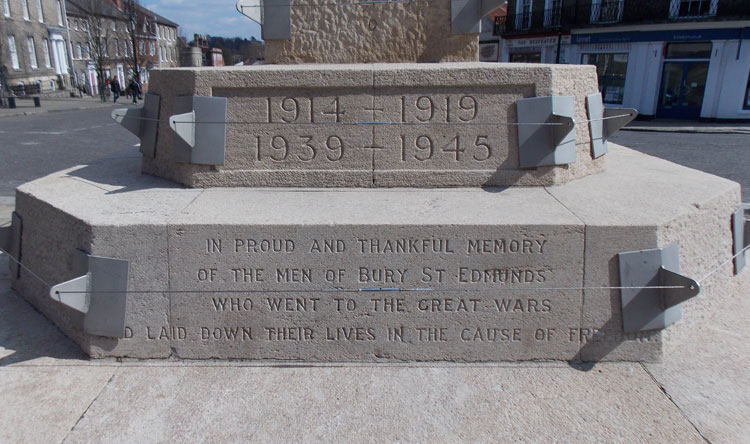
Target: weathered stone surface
{"type": "Point", "coordinates": [525, 403]}
{"type": "Point", "coordinates": [172, 235]}
{"type": "Point", "coordinates": [415, 31]}
{"type": "Point", "coordinates": [372, 125]}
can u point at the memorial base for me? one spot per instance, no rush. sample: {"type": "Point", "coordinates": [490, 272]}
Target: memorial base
{"type": "Point", "coordinates": [343, 275]}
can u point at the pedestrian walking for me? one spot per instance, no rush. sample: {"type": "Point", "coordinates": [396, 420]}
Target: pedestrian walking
{"type": "Point", "coordinates": [135, 89]}
{"type": "Point", "coordinates": [114, 85]}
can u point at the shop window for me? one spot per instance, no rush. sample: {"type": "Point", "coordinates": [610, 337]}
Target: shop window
{"type": "Point", "coordinates": [610, 69]}
{"type": "Point", "coordinates": [746, 102]}
{"type": "Point", "coordinates": [696, 50]}
{"type": "Point", "coordinates": [526, 57]}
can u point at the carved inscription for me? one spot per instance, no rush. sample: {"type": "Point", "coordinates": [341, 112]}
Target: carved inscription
{"type": "Point", "coordinates": [474, 293]}
{"type": "Point", "coordinates": [358, 130]}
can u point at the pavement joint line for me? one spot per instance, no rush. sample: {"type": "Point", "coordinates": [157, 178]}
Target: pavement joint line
{"type": "Point", "coordinates": [669, 397]}
{"type": "Point", "coordinates": [104, 386]}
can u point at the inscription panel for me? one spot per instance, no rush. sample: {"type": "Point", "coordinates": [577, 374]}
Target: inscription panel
{"type": "Point", "coordinates": [376, 133]}
{"type": "Point", "coordinates": [355, 293]}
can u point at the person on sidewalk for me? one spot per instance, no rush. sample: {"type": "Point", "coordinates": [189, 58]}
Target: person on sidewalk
{"type": "Point", "coordinates": [115, 87]}
{"type": "Point", "coordinates": [134, 89]}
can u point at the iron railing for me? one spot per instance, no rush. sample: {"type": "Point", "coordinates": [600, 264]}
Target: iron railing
{"type": "Point", "coordinates": [26, 90]}
{"type": "Point", "coordinates": [609, 12]}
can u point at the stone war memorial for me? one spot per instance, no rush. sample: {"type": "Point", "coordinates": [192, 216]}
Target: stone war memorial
{"type": "Point", "coordinates": [375, 194]}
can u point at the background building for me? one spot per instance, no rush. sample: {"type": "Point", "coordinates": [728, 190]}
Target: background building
{"type": "Point", "coordinates": [666, 58]}
{"type": "Point", "coordinates": [33, 47]}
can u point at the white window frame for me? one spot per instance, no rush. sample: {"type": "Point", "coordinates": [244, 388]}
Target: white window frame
{"type": "Point", "coordinates": [58, 5]}
{"type": "Point", "coordinates": [41, 11]}
{"type": "Point", "coordinates": [6, 8]}
{"type": "Point", "coordinates": [13, 52]}
{"type": "Point", "coordinates": [25, 10]}
{"type": "Point", "coordinates": [116, 46]}
{"type": "Point", "coordinates": [152, 48]}
{"type": "Point", "coordinates": [520, 6]}
{"type": "Point", "coordinates": [596, 11]}
{"type": "Point", "coordinates": [32, 52]}
{"type": "Point", "coordinates": [674, 9]}
{"type": "Point", "coordinates": [45, 51]}
{"type": "Point", "coordinates": [79, 51]}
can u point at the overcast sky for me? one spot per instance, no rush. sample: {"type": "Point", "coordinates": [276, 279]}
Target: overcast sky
{"type": "Point", "coordinates": [213, 17]}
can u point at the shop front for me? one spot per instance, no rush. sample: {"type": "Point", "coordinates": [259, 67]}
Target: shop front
{"type": "Point", "coordinates": [682, 74]}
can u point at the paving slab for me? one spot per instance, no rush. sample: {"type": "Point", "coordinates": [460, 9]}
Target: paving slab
{"type": "Point", "coordinates": [708, 377]}
{"type": "Point", "coordinates": [42, 404]}
{"type": "Point", "coordinates": [537, 403]}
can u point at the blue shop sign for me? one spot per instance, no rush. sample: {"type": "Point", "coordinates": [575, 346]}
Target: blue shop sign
{"type": "Point", "coordinates": [667, 36]}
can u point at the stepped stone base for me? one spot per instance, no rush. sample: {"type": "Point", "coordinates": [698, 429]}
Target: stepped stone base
{"type": "Point", "coordinates": [289, 274]}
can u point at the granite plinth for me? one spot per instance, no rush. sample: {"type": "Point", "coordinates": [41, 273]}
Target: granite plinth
{"type": "Point", "coordinates": [310, 274]}
{"type": "Point", "coordinates": [380, 125]}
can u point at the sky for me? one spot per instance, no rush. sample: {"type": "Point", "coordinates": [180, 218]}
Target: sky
{"type": "Point", "coordinates": [212, 17]}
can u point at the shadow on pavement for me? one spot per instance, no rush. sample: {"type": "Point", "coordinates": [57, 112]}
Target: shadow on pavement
{"type": "Point", "coordinates": [25, 334]}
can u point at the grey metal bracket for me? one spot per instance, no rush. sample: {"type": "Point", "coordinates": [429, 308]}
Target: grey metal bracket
{"type": "Point", "coordinates": [741, 236]}
{"type": "Point", "coordinates": [100, 293]}
{"type": "Point", "coordinates": [273, 16]}
{"type": "Point", "coordinates": [142, 122]}
{"type": "Point", "coordinates": [200, 124]}
{"type": "Point", "coordinates": [603, 123]}
{"type": "Point", "coordinates": [467, 14]}
{"type": "Point", "coordinates": [653, 308]}
{"type": "Point", "coordinates": [10, 242]}
{"type": "Point", "coordinates": [545, 131]}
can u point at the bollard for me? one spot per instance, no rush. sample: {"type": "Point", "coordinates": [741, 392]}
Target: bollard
{"type": "Point", "coordinates": [11, 102]}
{"type": "Point", "coordinates": [37, 102]}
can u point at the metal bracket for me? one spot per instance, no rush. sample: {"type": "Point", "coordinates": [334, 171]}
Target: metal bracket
{"type": "Point", "coordinates": [200, 123]}
{"type": "Point", "coordinates": [100, 293]}
{"type": "Point", "coordinates": [542, 145]}
{"type": "Point", "coordinates": [741, 235]}
{"type": "Point", "coordinates": [10, 242]}
{"type": "Point", "coordinates": [142, 122]}
{"type": "Point", "coordinates": [653, 308]}
{"type": "Point", "coordinates": [467, 14]}
{"type": "Point", "coordinates": [273, 16]}
{"type": "Point", "coordinates": [600, 128]}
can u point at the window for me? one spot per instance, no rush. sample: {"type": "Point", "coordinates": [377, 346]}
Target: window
{"type": "Point", "coordinates": [552, 13]}
{"type": "Point", "coordinates": [746, 104]}
{"type": "Point", "coordinates": [161, 54]}
{"type": "Point", "coordinates": [606, 11]}
{"type": "Point", "coordinates": [124, 48]}
{"type": "Point", "coordinates": [523, 14]}
{"type": "Point", "coordinates": [692, 8]}
{"type": "Point", "coordinates": [45, 50]}
{"type": "Point", "coordinates": [79, 52]}
{"type": "Point", "coordinates": [610, 69]}
{"type": "Point", "coordinates": [152, 48]}
{"type": "Point", "coordinates": [526, 57]}
{"type": "Point", "coordinates": [25, 9]}
{"type": "Point", "coordinates": [40, 15]}
{"type": "Point", "coordinates": [32, 53]}
{"type": "Point", "coordinates": [141, 48]}
{"type": "Point", "coordinates": [116, 48]}
{"type": "Point", "coordinates": [75, 25]}
{"type": "Point", "coordinates": [114, 26]}
{"type": "Point", "coordinates": [13, 52]}
{"type": "Point", "coordinates": [145, 27]}
{"type": "Point", "coordinates": [6, 8]}
{"type": "Point", "coordinates": [87, 51]}
{"type": "Point", "coordinates": [52, 85]}
{"type": "Point", "coordinates": [58, 6]}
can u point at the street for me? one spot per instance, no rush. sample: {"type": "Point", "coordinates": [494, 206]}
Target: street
{"type": "Point", "coordinates": [34, 146]}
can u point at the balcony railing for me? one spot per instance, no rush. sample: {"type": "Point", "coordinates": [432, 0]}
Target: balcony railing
{"type": "Point", "coordinates": [608, 12]}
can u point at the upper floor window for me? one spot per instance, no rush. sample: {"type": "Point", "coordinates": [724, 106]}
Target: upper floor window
{"type": "Point", "coordinates": [606, 11]}
{"type": "Point", "coordinates": [523, 14]}
{"type": "Point", "coordinates": [552, 13]}
{"type": "Point", "coordinates": [746, 102]}
{"type": "Point", "coordinates": [79, 51]}
{"type": "Point", "coordinates": [58, 6]}
{"type": "Point", "coordinates": [692, 8]}
{"type": "Point", "coordinates": [75, 25]}
{"type": "Point", "coordinates": [152, 48]}
{"type": "Point", "coordinates": [114, 26]}
{"type": "Point", "coordinates": [25, 9]}
{"type": "Point", "coordinates": [40, 17]}
{"type": "Point", "coordinates": [6, 8]}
